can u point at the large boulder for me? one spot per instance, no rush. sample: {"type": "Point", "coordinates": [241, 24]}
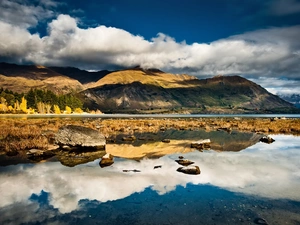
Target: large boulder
{"type": "Point", "coordinates": [80, 137]}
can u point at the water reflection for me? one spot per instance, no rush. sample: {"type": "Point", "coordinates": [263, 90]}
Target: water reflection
{"type": "Point", "coordinates": [48, 189]}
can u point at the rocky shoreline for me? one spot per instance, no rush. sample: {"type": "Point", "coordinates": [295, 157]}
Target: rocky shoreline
{"type": "Point", "coordinates": [36, 139]}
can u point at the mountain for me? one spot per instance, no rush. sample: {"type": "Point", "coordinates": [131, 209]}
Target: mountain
{"type": "Point", "coordinates": [139, 90]}
{"type": "Point", "coordinates": [21, 78]}
{"type": "Point", "coordinates": [294, 99]}
{"type": "Point", "coordinates": [82, 76]}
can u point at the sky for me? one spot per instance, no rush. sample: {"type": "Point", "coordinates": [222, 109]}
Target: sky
{"type": "Point", "coordinates": [256, 39]}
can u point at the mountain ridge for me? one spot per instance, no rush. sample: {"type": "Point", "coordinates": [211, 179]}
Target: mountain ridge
{"type": "Point", "coordinates": [140, 90]}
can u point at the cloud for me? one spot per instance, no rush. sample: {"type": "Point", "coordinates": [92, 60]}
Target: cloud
{"type": "Point", "coordinates": [285, 7]}
{"type": "Point", "coordinates": [269, 171]}
{"type": "Point", "coordinates": [271, 51]}
{"type": "Point", "coordinates": [266, 52]}
{"type": "Point", "coordinates": [278, 86]}
{"type": "Point", "coordinates": [26, 14]}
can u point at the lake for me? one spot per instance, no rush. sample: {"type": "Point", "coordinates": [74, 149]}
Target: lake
{"type": "Point", "coordinates": [242, 181]}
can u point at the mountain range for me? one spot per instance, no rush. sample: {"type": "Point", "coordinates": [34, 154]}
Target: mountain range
{"type": "Point", "coordinates": [138, 90]}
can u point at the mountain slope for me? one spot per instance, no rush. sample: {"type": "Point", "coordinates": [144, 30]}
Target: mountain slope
{"type": "Point", "coordinates": [19, 78]}
{"type": "Point", "coordinates": [82, 76]}
{"type": "Point", "coordinates": [137, 90]}
{"type": "Point", "coordinates": [150, 77]}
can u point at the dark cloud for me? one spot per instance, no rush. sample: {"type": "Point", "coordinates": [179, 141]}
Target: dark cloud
{"type": "Point", "coordinates": [285, 7]}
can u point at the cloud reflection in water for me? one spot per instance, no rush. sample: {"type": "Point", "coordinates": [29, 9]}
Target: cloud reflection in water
{"type": "Point", "coordinates": [271, 171]}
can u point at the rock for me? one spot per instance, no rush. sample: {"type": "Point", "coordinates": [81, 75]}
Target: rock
{"type": "Point", "coordinates": [157, 167]}
{"type": "Point", "coordinates": [184, 162]}
{"type": "Point", "coordinates": [106, 160]}
{"type": "Point", "coordinates": [193, 170]}
{"type": "Point", "coordinates": [80, 137]}
{"type": "Point", "coordinates": [129, 138]}
{"type": "Point", "coordinates": [201, 144]}
{"type": "Point", "coordinates": [135, 171]}
{"type": "Point", "coordinates": [35, 152]}
{"type": "Point", "coordinates": [267, 140]}
{"type": "Point", "coordinates": [38, 155]}
{"type": "Point", "coordinates": [180, 157]}
{"type": "Point", "coordinates": [260, 221]}
{"type": "Point", "coordinates": [74, 158]}
{"type": "Point", "coordinates": [166, 140]}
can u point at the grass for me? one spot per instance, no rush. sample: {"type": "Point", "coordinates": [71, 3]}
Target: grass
{"type": "Point", "coordinates": [23, 134]}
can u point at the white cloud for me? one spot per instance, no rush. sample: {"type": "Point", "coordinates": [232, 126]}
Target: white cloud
{"type": "Point", "coordinates": [268, 52]}
{"type": "Point", "coordinates": [270, 171]}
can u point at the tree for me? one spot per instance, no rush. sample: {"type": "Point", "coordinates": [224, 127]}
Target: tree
{"type": "Point", "coordinates": [56, 109]}
{"type": "Point", "coordinates": [78, 110]}
{"type": "Point", "coordinates": [48, 108]}
{"type": "Point", "coordinates": [41, 107]}
{"type": "Point", "coordinates": [68, 110]}
{"type": "Point", "coordinates": [23, 105]}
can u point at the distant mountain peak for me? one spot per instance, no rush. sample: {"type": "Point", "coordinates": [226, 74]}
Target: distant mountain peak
{"type": "Point", "coordinates": [146, 69]}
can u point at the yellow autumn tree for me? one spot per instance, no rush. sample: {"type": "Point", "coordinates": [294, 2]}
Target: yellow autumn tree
{"type": "Point", "coordinates": [3, 104]}
{"type": "Point", "coordinates": [10, 108]}
{"type": "Point", "coordinates": [56, 109]}
{"type": "Point", "coordinates": [68, 110]}
{"type": "Point", "coordinates": [78, 110]}
{"type": "Point", "coordinates": [17, 106]}
{"type": "Point", "coordinates": [23, 105]}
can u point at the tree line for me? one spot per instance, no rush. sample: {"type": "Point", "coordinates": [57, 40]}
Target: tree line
{"type": "Point", "coordinates": [38, 101]}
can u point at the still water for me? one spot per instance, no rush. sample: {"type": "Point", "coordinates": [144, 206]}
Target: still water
{"type": "Point", "coordinates": [256, 185]}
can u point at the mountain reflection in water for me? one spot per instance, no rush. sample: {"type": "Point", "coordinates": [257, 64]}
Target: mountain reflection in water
{"type": "Point", "coordinates": [261, 182]}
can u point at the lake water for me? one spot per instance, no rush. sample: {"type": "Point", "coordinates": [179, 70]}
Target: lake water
{"type": "Point", "coordinates": [256, 183]}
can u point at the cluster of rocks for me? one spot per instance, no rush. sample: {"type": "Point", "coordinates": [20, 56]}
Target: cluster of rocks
{"type": "Point", "coordinates": [201, 144]}
{"type": "Point", "coordinates": [187, 168]}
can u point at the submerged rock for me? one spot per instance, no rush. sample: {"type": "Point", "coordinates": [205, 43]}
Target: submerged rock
{"type": "Point", "coordinates": [80, 137]}
{"type": "Point", "coordinates": [260, 221]}
{"type": "Point", "coordinates": [166, 140]}
{"type": "Point", "coordinates": [106, 160]}
{"type": "Point", "coordinates": [193, 170]}
{"type": "Point", "coordinates": [184, 162]}
{"type": "Point", "coordinates": [135, 171]}
{"type": "Point", "coordinates": [129, 138]}
{"type": "Point", "coordinates": [267, 140]}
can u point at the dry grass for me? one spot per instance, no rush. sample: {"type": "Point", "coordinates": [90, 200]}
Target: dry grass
{"type": "Point", "coordinates": [165, 80]}
{"type": "Point", "coordinates": [18, 134]}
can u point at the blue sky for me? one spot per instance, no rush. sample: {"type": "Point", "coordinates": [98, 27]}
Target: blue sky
{"type": "Point", "coordinates": [257, 39]}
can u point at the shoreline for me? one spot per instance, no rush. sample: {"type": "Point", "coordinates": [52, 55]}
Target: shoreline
{"type": "Point", "coordinates": [136, 116]}
{"type": "Point", "coordinates": [20, 135]}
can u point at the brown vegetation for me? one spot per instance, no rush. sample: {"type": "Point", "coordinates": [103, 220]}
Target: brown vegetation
{"type": "Point", "coordinates": [23, 134]}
